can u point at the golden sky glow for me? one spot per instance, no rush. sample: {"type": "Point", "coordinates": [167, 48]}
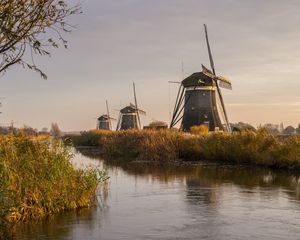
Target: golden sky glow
{"type": "Point", "coordinates": [254, 43]}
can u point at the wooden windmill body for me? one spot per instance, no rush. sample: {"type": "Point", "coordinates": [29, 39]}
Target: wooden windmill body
{"type": "Point", "coordinates": [199, 100]}
{"type": "Point", "coordinates": [104, 121]}
{"type": "Point", "coordinates": [129, 116]}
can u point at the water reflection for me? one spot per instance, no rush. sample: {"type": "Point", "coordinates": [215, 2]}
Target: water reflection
{"type": "Point", "coordinates": [246, 176]}
{"type": "Point", "coordinates": [209, 201]}
{"type": "Point", "coordinates": [52, 227]}
{"type": "Point", "coordinates": [209, 175]}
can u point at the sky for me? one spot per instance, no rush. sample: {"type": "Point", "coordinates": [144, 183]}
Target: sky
{"type": "Point", "coordinates": [254, 43]}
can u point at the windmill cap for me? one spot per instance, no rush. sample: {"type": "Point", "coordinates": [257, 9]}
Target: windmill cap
{"type": "Point", "coordinates": [197, 79]}
{"type": "Point", "coordinates": [103, 117]}
{"type": "Point", "coordinates": [128, 109]}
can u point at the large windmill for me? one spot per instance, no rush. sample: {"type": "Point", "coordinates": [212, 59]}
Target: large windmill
{"type": "Point", "coordinates": [199, 99]}
{"type": "Point", "coordinates": [129, 116]}
{"type": "Point", "coordinates": [104, 121]}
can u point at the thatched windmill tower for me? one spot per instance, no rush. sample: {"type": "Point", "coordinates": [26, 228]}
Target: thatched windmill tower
{"type": "Point", "coordinates": [129, 116]}
{"type": "Point", "coordinates": [199, 99]}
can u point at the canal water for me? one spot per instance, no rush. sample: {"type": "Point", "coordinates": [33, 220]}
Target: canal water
{"type": "Point", "coordinates": [204, 201]}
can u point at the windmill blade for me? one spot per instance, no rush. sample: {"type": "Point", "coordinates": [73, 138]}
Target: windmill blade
{"type": "Point", "coordinates": [214, 72]}
{"type": "Point", "coordinates": [207, 72]}
{"type": "Point", "coordinates": [225, 85]}
{"type": "Point", "coordinates": [223, 107]}
{"type": "Point", "coordinates": [111, 118]}
{"type": "Point", "coordinates": [119, 122]}
{"type": "Point", "coordinates": [142, 112]}
{"type": "Point", "coordinates": [224, 82]}
{"type": "Point", "coordinates": [107, 109]}
{"type": "Point", "coordinates": [132, 105]}
{"type": "Point", "coordinates": [209, 51]}
{"type": "Point", "coordinates": [136, 106]}
{"type": "Point", "coordinates": [178, 104]}
{"type": "Point", "coordinates": [174, 82]}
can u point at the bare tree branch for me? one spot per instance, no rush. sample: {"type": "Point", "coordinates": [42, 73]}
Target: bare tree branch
{"type": "Point", "coordinates": [34, 25]}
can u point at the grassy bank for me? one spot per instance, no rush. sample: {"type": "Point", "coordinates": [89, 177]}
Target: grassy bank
{"type": "Point", "coordinates": [256, 148]}
{"type": "Point", "coordinates": [37, 179]}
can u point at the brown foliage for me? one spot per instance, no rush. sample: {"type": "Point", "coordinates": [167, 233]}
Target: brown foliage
{"type": "Point", "coordinates": [245, 147]}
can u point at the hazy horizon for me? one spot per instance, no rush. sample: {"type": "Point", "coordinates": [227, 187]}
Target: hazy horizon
{"type": "Point", "coordinates": [254, 43]}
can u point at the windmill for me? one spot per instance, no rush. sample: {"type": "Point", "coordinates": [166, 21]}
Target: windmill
{"type": "Point", "coordinates": [199, 99]}
{"type": "Point", "coordinates": [104, 121]}
{"type": "Point", "coordinates": [129, 116]}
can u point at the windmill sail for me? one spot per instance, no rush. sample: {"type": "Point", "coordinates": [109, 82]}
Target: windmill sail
{"type": "Point", "coordinates": [109, 119]}
{"type": "Point", "coordinates": [136, 106]}
{"type": "Point", "coordinates": [209, 51]}
{"type": "Point", "coordinates": [224, 83]}
{"type": "Point", "coordinates": [217, 85]}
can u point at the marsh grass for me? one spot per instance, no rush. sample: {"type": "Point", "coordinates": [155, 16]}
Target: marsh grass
{"type": "Point", "coordinates": [245, 147]}
{"type": "Point", "coordinates": [37, 179]}
{"type": "Point", "coordinates": [199, 130]}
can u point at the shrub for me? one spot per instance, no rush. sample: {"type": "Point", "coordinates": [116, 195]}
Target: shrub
{"type": "Point", "coordinates": [200, 129]}
{"type": "Point", "coordinates": [245, 147]}
{"type": "Point", "coordinates": [37, 179]}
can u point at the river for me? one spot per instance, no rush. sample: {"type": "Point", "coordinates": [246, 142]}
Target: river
{"type": "Point", "coordinates": [204, 201]}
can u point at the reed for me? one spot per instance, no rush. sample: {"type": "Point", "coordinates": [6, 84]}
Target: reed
{"type": "Point", "coordinates": [37, 179]}
{"type": "Point", "coordinates": [90, 138]}
{"type": "Point", "coordinates": [245, 147]}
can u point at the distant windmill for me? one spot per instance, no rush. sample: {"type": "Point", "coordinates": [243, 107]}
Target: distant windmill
{"type": "Point", "coordinates": [129, 116]}
{"type": "Point", "coordinates": [199, 99]}
{"type": "Point", "coordinates": [104, 121]}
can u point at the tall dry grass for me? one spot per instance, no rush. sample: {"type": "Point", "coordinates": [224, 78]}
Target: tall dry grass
{"type": "Point", "coordinates": [37, 179]}
{"type": "Point", "coordinates": [247, 147]}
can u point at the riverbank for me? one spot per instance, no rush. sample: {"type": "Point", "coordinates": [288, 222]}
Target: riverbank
{"type": "Point", "coordinates": [37, 179]}
{"type": "Point", "coordinates": [161, 201]}
{"type": "Point", "coordinates": [254, 148]}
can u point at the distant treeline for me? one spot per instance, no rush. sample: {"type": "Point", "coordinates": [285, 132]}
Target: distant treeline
{"type": "Point", "coordinates": [277, 129]}
{"type": "Point", "coordinates": [244, 147]}
{"type": "Point", "coordinates": [30, 131]}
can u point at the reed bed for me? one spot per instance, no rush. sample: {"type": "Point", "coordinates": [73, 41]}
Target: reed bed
{"type": "Point", "coordinates": [246, 147]}
{"type": "Point", "coordinates": [37, 179]}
